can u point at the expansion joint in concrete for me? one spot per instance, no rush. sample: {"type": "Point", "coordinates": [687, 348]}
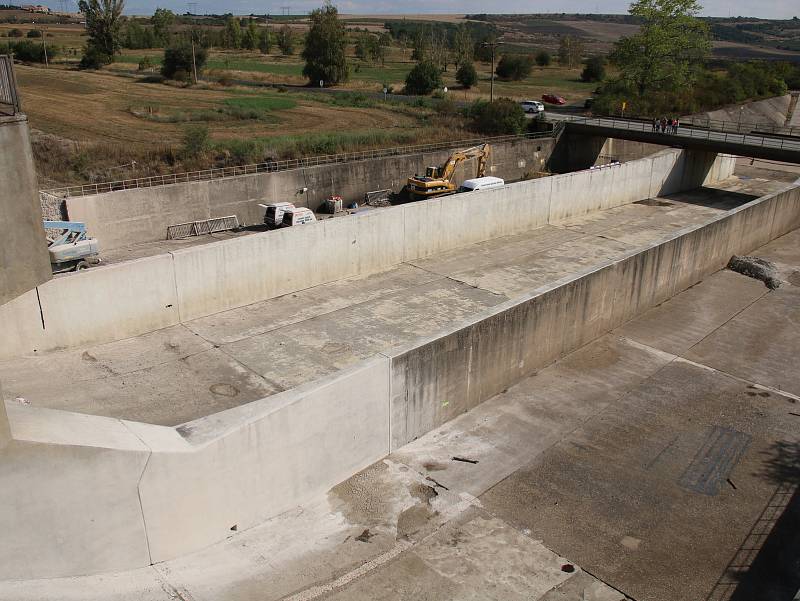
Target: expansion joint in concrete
{"type": "Point", "coordinates": [139, 489]}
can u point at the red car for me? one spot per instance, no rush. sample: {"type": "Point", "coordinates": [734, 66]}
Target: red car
{"type": "Point", "coordinates": [553, 99]}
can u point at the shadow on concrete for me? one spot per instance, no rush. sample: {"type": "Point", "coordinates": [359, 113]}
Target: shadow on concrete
{"type": "Point", "coordinates": [766, 567]}
{"type": "Point", "coordinates": [714, 198]}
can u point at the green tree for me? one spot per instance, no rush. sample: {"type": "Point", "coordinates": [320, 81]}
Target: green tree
{"type": "Point", "coordinates": [543, 58]}
{"type": "Point", "coordinates": [362, 46]}
{"type": "Point", "coordinates": [570, 50]}
{"type": "Point", "coordinates": [104, 26]}
{"type": "Point", "coordinates": [177, 63]}
{"type": "Point", "coordinates": [503, 116]}
{"type": "Point", "coordinates": [595, 69]}
{"type": "Point", "coordinates": [378, 47]}
{"type": "Point", "coordinates": [514, 67]}
{"type": "Point", "coordinates": [286, 40]}
{"type": "Point", "coordinates": [162, 20]}
{"type": "Point", "coordinates": [250, 36]}
{"type": "Point", "coordinates": [424, 78]}
{"type": "Point", "coordinates": [264, 40]}
{"type": "Point", "coordinates": [463, 45]}
{"type": "Point", "coordinates": [466, 75]}
{"type": "Point", "coordinates": [196, 141]}
{"type": "Point", "coordinates": [324, 51]}
{"type": "Point", "coordinates": [233, 32]}
{"type": "Point", "coordinates": [670, 44]}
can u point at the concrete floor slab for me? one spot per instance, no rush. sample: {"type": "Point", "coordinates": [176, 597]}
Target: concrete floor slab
{"type": "Point", "coordinates": [769, 333]}
{"type": "Point", "coordinates": [304, 351]}
{"type": "Point", "coordinates": [684, 320]}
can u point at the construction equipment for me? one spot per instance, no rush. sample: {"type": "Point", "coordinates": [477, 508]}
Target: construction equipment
{"type": "Point", "coordinates": [71, 249]}
{"type": "Point", "coordinates": [438, 180]}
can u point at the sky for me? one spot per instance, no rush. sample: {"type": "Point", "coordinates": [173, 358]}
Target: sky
{"type": "Point", "coordinates": [773, 9]}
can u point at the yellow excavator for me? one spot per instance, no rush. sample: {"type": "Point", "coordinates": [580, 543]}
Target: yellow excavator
{"type": "Point", "coordinates": [438, 180]}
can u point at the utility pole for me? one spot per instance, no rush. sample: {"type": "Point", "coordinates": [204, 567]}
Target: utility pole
{"type": "Point", "coordinates": [44, 45]}
{"type": "Point", "coordinates": [492, 45]}
{"type": "Point", "coordinates": [194, 62]}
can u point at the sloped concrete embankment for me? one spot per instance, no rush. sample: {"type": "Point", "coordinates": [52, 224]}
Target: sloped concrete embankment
{"type": "Point", "coordinates": [132, 298]}
{"type": "Point", "coordinates": [84, 494]}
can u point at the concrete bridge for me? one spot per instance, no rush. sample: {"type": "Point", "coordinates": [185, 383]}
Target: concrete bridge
{"type": "Point", "coordinates": [761, 146]}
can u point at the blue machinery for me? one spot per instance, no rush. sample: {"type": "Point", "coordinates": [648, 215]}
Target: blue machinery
{"type": "Point", "coordinates": [72, 249]}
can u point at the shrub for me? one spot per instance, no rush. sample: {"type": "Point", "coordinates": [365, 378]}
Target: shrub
{"type": "Point", "coordinates": [34, 33]}
{"type": "Point", "coordinates": [177, 62]}
{"type": "Point", "coordinates": [595, 69]}
{"type": "Point", "coordinates": [196, 141]}
{"type": "Point", "coordinates": [503, 116]}
{"type": "Point", "coordinates": [32, 52]}
{"type": "Point", "coordinates": [15, 33]}
{"type": "Point", "coordinates": [423, 79]}
{"type": "Point", "coordinates": [93, 58]}
{"type": "Point", "coordinates": [543, 58]}
{"type": "Point", "coordinates": [514, 67]}
{"type": "Point", "coordinates": [466, 75]}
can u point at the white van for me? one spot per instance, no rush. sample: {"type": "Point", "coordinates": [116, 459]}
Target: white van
{"type": "Point", "coordinates": [532, 106]}
{"type": "Point", "coordinates": [297, 216]}
{"type": "Point", "coordinates": [481, 183]}
{"type": "Point", "coordinates": [273, 216]}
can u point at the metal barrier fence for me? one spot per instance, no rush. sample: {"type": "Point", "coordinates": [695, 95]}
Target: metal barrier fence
{"type": "Point", "coordinates": [9, 97]}
{"type": "Point", "coordinates": [272, 166]}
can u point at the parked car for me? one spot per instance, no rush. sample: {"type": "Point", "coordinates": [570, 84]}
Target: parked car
{"type": "Point", "coordinates": [553, 99]}
{"type": "Point", "coordinates": [532, 106]}
{"type": "Point", "coordinates": [298, 216]}
{"type": "Point", "coordinates": [481, 183]}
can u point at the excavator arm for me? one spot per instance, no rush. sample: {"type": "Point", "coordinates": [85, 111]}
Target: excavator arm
{"type": "Point", "coordinates": [482, 153]}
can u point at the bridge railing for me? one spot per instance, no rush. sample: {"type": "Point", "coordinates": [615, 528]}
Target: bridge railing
{"type": "Point", "coordinates": [693, 132]}
{"type": "Point", "coordinates": [9, 97]}
{"type": "Point", "coordinates": [273, 166]}
{"type": "Point", "coordinates": [738, 127]}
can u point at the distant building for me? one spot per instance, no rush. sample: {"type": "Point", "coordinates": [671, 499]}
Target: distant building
{"type": "Point", "coordinates": [36, 8]}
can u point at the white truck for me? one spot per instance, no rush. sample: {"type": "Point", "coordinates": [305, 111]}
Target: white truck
{"type": "Point", "coordinates": [481, 183]}
{"type": "Point", "coordinates": [273, 215]}
{"type": "Point", "coordinates": [297, 216]}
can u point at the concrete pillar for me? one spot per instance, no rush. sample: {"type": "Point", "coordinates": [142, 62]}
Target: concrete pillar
{"type": "Point", "coordinates": [25, 263]}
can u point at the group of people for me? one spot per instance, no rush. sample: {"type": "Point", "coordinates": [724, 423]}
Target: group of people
{"type": "Point", "coordinates": [666, 125]}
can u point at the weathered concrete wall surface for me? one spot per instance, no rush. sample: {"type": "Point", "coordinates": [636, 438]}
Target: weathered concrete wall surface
{"type": "Point", "coordinates": [494, 350]}
{"type": "Point", "coordinates": [129, 494]}
{"type": "Point", "coordinates": [771, 111]}
{"type": "Point", "coordinates": [24, 262]}
{"type": "Point", "coordinates": [126, 217]}
{"type": "Point", "coordinates": [82, 494]}
{"type": "Point", "coordinates": [186, 284]}
{"type": "Point", "coordinates": [574, 152]}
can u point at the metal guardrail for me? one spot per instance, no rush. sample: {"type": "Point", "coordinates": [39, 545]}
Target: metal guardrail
{"type": "Point", "coordinates": [204, 226]}
{"type": "Point", "coordinates": [9, 97]}
{"type": "Point", "coordinates": [693, 132]}
{"type": "Point", "coordinates": [272, 166]}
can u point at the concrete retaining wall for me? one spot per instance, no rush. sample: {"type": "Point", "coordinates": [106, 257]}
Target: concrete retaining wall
{"type": "Point", "coordinates": [129, 494]}
{"type": "Point", "coordinates": [128, 299]}
{"type": "Point", "coordinates": [118, 219]}
{"type": "Point", "coordinates": [24, 262]}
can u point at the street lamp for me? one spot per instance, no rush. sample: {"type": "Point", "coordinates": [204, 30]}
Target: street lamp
{"type": "Point", "coordinates": [491, 45]}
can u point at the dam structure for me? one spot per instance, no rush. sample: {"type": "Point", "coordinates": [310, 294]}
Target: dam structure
{"type": "Point", "coordinates": [390, 376]}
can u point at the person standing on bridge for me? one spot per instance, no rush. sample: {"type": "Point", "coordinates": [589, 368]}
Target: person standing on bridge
{"type": "Point", "coordinates": [663, 125]}
{"type": "Point", "coordinates": [675, 124]}
{"type": "Point", "coordinates": [655, 123]}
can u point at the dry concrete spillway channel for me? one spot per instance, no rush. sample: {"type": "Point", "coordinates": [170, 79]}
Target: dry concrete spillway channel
{"type": "Point", "coordinates": [549, 392]}
{"type": "Point", "coordinates": [206, 365]}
